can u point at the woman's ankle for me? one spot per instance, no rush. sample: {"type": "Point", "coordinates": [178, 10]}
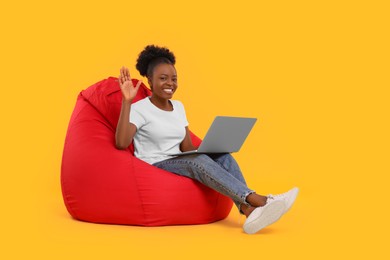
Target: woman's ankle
{"type": "Point", "coordinates": [256, 200]}
{"type": "Point", "coordinates": [247, 210]}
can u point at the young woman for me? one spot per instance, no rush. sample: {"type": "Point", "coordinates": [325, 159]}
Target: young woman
{"type": "Point", "coordinates": [159, 127]}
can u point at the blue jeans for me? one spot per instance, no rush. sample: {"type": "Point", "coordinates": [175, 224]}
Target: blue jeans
{"type": "Point", "coordinates": [217, 171]}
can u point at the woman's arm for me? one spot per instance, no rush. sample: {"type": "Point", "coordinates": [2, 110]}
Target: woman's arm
{"type": "Point", "coordinates": [125, 130]}
{"type": "Point", "coordinates": [186, 144]}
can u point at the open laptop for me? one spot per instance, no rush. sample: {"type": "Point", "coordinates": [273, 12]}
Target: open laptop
{"type": "Point", "coordinates": [225, 135]}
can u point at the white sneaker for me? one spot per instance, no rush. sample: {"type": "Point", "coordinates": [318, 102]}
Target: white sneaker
{"type": "Point", "coordinates": [264, 216]}
{"type": "Point", "coordinates": [288, 197]}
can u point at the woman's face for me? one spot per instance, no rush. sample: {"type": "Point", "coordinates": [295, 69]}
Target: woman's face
{"type": "Point", "coordinates": [164, 81]}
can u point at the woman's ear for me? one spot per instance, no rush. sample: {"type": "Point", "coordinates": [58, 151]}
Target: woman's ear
{"type": "Point", "coordinates": [150, 84]}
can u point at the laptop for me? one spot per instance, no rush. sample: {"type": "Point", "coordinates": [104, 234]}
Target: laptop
{"type": "Point", "coordinates": [225, 135]}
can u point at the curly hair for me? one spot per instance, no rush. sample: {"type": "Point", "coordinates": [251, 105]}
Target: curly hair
{"type": "Point", "coordinates": [151, 56]}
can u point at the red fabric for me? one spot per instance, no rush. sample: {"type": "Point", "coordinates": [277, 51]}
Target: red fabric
{"type": "Point", "coordinates": [102, 184]}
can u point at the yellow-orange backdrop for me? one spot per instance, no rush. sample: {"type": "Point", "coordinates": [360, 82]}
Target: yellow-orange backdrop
{"type": "Point", "coordinates": [315, 73]}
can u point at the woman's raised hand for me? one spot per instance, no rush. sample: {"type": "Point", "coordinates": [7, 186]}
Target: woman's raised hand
{"type": "Point", "coordinates": [126, 85]}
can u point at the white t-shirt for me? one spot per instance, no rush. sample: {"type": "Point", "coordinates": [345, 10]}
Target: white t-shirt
{"type": "Point", "coordinates": [159, 132]}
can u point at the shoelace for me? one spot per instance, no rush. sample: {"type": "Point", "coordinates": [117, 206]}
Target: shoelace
{"type": "Point", "coordinates": [270, 197]}
{"type": "Point", "coordinates": [278, 196]}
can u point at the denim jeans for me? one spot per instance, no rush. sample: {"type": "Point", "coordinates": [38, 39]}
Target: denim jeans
{"type": "Point", "coordinates": [217, 171]}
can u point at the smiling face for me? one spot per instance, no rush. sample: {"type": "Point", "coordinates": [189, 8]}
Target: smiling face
{"type": "Point", "coordinates": [163, 82]}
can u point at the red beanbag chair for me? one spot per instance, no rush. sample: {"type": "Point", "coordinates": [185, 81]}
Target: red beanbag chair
{"type": "Point", "coordinates": [102, 184]}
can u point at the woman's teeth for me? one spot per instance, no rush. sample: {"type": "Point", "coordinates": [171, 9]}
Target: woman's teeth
{"type": "Point", "coordinates": [168, 90]}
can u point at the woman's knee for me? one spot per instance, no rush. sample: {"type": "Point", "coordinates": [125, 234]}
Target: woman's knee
{"type": "Point", "coordinates": [225, 158]}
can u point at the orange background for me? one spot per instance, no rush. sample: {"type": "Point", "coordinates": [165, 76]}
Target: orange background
{"type": "Point", "coordinates": [315, 74]}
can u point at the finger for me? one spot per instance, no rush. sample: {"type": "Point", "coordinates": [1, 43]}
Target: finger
{"type": "Point", "coordinates": [127, 73]}
{"type": "Point", "coordinates": [138, 84]}
{"type": "Point", "coordinates": [124, 77]}
{"type": "Point", "coordinates": [121, 74]}
{"type": "Point", "coordinates": [120, 80]}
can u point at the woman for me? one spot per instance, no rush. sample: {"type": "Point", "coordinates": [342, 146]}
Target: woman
{"type": "Point", "coordinates": [159, 127]}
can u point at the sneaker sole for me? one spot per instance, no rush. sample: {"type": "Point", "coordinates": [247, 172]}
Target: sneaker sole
{"type": "Point", "coordinates": [271, 213]}
{"type": "Point", "coordinates": [294, 192]}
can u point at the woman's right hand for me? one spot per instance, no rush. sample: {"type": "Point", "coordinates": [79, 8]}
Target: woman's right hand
{"type": "Point", "coordinates": [128, 90]}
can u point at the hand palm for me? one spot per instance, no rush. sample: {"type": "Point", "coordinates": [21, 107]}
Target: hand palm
{"type": "Point", "coordinates": [128, 90]}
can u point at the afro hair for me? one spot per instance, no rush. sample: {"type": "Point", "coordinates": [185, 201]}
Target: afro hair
{"type": "Point", "coordinates": [151, 56]}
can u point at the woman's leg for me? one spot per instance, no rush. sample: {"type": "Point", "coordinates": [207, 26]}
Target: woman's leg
{"type": "Point", "coordinates": [214, 174]}
{"type": "Point", "coordinates": [227, 161]}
